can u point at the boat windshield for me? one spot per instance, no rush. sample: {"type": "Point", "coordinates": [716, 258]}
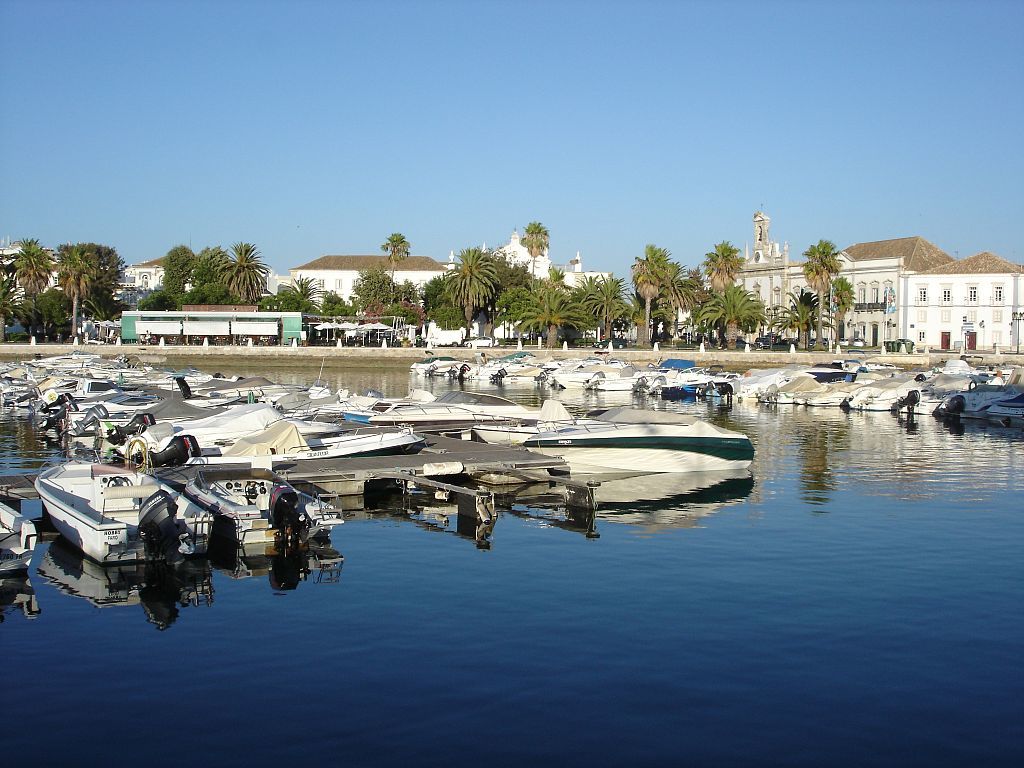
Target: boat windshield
{"type": "Point", "coordinates": [457, 397]}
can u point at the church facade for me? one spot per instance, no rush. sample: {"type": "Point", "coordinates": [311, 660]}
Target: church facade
{"type": "Point", "coordinates": [517, 254]}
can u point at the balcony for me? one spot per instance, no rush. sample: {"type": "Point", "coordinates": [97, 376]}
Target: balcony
{"type": "Point", "coordinates": [870, 306]}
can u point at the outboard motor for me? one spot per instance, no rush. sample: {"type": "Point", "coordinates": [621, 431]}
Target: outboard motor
{"type": "Point", "coordinates": [91, 419]}
{"type": "Point", "coordinates": [183, 387]}
{"type": "Point", "coordinates": [49, 420]}
{"type": "Point", "coordinates": [951, 406]}
{"type": "Point", "coordinates": [285, 515]}
{"type": "Point", "coordinates": [464, 370]}
{"type": "Point", "coordinates": [138, 424]}
{"type": "Point", "coordinates": [64, 400]}
{"type": "Point", "coordinates": [912, 398]}
{"type": "Point", "coordinates": [158, 525]}
{"type": "Point", "coordinates": [178, 451]}
{"type": "Point", "coordinates": [845, 405]}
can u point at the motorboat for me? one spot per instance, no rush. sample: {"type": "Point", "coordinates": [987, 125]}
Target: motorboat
{"type": "Point", "coordinates": [552, 414]}
{"type": "Point", "coordinates": [18, 539]}
{"type": "Point", "coordinates": [451, 408]}
{"type": "Point", "coordinates": [115, 514]}
{"type": "Point", "coordinates": [978, 400]}
{"type": "Point", "coordinates": [639, 441]}
{"type": "Point", "coordinates": [278, 443]}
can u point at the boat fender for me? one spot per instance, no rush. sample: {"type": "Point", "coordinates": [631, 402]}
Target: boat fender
{"type": "Point", "coordinates": [443, 468]}
{"type": "Point", "coordinates": [158, 524]}
{"type": "Point", "coordinates": [178, 451]}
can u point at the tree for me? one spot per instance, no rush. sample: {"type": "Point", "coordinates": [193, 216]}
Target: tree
{"type": "Point", "coordinates": [33, 266]}
{"type": "Point", "coordinates": [160, 301]}
{"type": "Point", "coordinates": [397, 249]}
{"type": "Point", "coordinates": [682, 289]}
{"type": "Point", "coordinates": [332, 305]}
{"type": "Point", "coordinates": [178, 264]}
{"type": "Point", "coordinates": [9, 303]}
{"type": "Point", "coordinates": [472, 283]}
{"type": "Point", "coordinates": [535, 240]}
{"type": "Point", "coordinates": [549, 308]}
{"type": "Point", "coordinates": [733, 308]}
{"type": "Point", "coordinates": [308, 291]}
{"type": "Point", "coordinates": [216, 294]}
{"type": "Point", "coordinates": [799, 316]}
{"type": "Point", "coordinates": [511, 306]}
{"type": "Point", "coordinates": [556, 276]}
{"type": "Point", "coordinates": [76, 270]}
{"type": "Point", "coordinates": [649, 272]}
{"type": "Point", "coordinates": [821, 266]}
{"type": "Point", "coordinates": [52, 311]}
{"type": "Point", "coordinates": [103, 307]}
{"type": "Point", "coordinates": [107, 269]}
{"type": "Point", "coordinates": [373, 288]}
{"type": "Point", "coordinates": [607, 301]}
{"type": "Point", "coordinates": [209, 266]}
{"type": "Point", "coordinates": [722, 265]}
{"type": "Point", "coordinates": [842, 299]}
{"type": "Point", "coordinates": [245, 274]}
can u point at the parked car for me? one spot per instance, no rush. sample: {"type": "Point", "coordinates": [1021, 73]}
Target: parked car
{"type": "Point", "coordinates": [478, 342]}
{"type": "Point", "coordinates": [771, 341]}
{"type": "Point", "coordinates": [857, 342]}
{"type": "Point", "coordinates": [616, 344]}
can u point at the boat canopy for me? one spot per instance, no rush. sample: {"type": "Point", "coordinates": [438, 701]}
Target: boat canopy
{"type": "Point", "coordinates": [282, 437]}
{"type": "Point", "coordinates": [626, 415]}
{"type": "Point", "coordinates": [677, 362]}
{"type": "Point", "coordinates": [553, 410]}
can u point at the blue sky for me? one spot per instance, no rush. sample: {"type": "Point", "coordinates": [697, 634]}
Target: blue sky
{"type": "Point", "coordinates": [321, 127]}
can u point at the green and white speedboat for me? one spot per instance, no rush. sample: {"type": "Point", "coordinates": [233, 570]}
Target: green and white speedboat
{"type": "Point", "coordinates": [635, 441]}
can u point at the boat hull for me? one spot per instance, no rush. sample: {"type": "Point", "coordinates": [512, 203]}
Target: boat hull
{"type": "Point", "coordinates": [596, 455]}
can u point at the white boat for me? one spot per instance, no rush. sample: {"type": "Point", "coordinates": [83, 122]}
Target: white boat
{"type": "Point", "coordinates": [638, 441]}
{"type": "Point", "coordinates": [18, 539]}
{"type": "Point", "coordinates": [455, 407]}
{"type": "Point", "coordinates": [114, 514]}
{"type": "Point", "coordinates": [552, 415]}
{"type": "Point", "coordinates": [283, 442]}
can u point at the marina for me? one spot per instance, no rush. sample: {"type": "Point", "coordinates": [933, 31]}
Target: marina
{"type": "Point", "coordinates": [839, 549]}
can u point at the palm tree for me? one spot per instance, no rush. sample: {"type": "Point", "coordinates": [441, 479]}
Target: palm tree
{"type": "Point", "coordinates": [722, 265]}
{"type": "Point", "coordinates": [821, 266]}
{"type": "Point", "coordinates": [799, 316]}
{"type": "Point", "coordinates": [308, 290]}
{"type": "Point", "coordinates": [33, 266]}
{"type": "Point", "coordinates": [733, 308]}
{"type": "Point", "coordinates": [473, 282]}
{"type": "Point", "coordinates": [649, 272]}
{"type": "Point", "coordinates": [842, 299]}
{"type": "Point", "coordinates": [535, 240]}
{"type": "Point", "coordinates": [608, 302]}
{"type": "Point", "coordinates": [397, 249]}
{"type": "Point", "coordinates": [681, 290]}
{"type": "Point", "coordinates": [75, 272]}
{"type": "Point", "coordinates": [556, 276]}
{"type": "Point", "coordinates": [550, 308]}
{"type": "Point", "coordinates": [245, 274]}
{"type": "Point", "coordinates": [9, 303]}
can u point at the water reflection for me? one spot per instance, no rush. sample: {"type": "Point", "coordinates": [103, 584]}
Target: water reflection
{"type": "Point", "coordinates": [17, 596]}
{"type": "Point", "coordinates": [316, 561]}
{"type": "Point", "coordinates": [161, 589]}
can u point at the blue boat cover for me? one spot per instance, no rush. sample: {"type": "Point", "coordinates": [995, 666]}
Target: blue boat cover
{"type": "Point", "coordinates": [677, 362]}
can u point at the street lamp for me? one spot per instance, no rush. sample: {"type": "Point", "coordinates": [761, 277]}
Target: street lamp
{"type": "Point", "coordinates": [1015, 318]}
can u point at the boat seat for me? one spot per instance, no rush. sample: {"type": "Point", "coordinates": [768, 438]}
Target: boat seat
{"type": "Point", "coordinates": [117, 500]}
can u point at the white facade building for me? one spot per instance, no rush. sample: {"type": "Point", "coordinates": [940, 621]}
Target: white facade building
{"type": "Point", "coordinates": [516, 254]}
{"type": "Point", "coordinates": [964, 305]}
{"type": "Point", "coordinates": [144, 277]}
{"type": "Point", "coordinates": [339, 273]}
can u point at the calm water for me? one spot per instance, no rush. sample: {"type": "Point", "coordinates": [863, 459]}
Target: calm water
{"type": "Point", "coordinates": [858, 602]}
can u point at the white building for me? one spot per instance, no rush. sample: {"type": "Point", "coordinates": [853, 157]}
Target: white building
{"type": "Point", "coordinates": [963, 305]}
{"type": "Point", "coordinates": [144, 277]}
{"type": "Point", "coordinates": [516, 254]}
{"type": "Point", "coordinates": [339, 273]}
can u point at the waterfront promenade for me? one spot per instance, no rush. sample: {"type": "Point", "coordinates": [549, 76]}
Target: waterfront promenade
{"type": "Point", "coordinates": [334, 356]}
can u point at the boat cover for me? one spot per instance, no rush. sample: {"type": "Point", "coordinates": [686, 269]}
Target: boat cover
{"type": "Point", "coordinates": [282, 437]}
{"type": "Point", "coordinates": [553, 410]}
{"type": "Point", "coordinates": [626, 415]}
{"type": "Point", "coordinates": [677, 362]}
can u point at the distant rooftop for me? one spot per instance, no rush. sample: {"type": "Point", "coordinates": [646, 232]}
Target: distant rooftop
{"type": "Point", "coordinates": [151, 263]}
{"type": "Point", "coordinates": [359, 263]}
{"type": "Point", "coordinates": [914, 253]}
{"type": "Point", "coordinates": [984, 263]}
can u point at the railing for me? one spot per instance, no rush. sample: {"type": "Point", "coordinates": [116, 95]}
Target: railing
{"type": "Point", "coordinates": [872, 306]}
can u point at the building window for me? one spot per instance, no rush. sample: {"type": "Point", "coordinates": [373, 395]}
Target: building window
{"type": "Point", "coordinates": [947, 295]}
{"type": "Point", "coordinates": [997, 337]}
{"type": "Point", "coordinates": [922, 315]}
{"type": "Point", "coordinates": [920, 335]}
{"type": "Point", "coordinates": [337, 283]}
{"type": "Point", "coordinates": [972, 316]}
{"type": "Point", "coordinates": [997, 294]}
{"type": "Point", "coordinates": [862, 293]}
{"type": "Point", "coordinates": [874, 293]}
{"type": "Point", "coordinates": [945, 316]}
{"type": "Point", "coordinates": [972, 294]}
{"type": "Point", "coordinates": [997, 315]}
{"type": "Point", "coordinates": [922, 295]}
